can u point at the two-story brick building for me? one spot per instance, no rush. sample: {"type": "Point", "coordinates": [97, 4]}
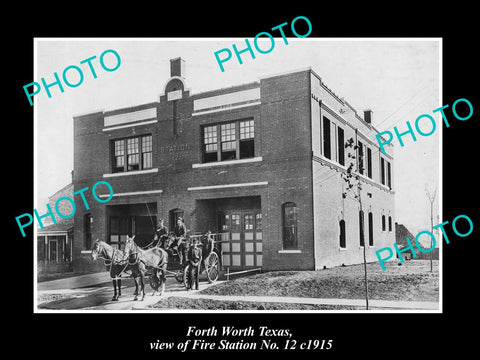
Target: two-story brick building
{"type": "Point", "coordinates": [260, 163]}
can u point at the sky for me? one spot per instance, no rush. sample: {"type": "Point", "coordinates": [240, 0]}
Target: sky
{"type": "Point", "coordinates": [399, 79]}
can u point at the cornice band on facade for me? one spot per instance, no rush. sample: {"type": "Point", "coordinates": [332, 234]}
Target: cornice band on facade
{"type": "Point", "coordinates": [343, 169]}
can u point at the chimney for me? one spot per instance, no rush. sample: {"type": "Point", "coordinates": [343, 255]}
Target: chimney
{"type": "Point", "coordinates": [367, 115]}
{"type": "Point", "coordinates": [177, 67]}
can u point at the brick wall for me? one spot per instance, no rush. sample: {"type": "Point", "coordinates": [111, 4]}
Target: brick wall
{"type": "Point", "coordinates": [329, 205]}
{"type": "Point", "coordinates": [285, 115]}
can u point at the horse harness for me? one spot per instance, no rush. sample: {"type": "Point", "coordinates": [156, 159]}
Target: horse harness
{"type": "Point", "coordinates": [113, 261]}
{"type": "Point", "coordinates": [137, 260]}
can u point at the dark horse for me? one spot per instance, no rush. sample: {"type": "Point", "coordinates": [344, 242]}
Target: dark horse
{"type": "Point", "coordinates": [116, 263]}
{"type": "Point", "coordinates": [139, 260]}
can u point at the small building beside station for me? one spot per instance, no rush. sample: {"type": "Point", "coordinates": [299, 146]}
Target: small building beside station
{"type": "Point", "coordinates": [55, 240]}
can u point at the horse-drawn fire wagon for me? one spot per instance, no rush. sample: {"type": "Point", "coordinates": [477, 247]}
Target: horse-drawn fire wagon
{"type": "Point", "coordinates": [210, 263]}
{"type": "Point", "coordinates": [155, 262]}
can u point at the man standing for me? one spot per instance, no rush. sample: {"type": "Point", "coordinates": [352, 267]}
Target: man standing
{"type": "Point", "coordinates": [207, 244]}
{"type": "Point", "coordinates": [194, 260]}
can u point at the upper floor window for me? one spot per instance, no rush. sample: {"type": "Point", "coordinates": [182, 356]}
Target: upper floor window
{"type": "Point", "coordinates": [119, 156]}
{"type": "Point", "coordinates": [364, 159]}
{"type": "Point", "coordinates": [133, 152]}
{"type": "Point", "coordinates": [326, 138]}
{"type": "Point", "coordinates": [333, 141]}
{"type": "Point", "coordinates": [229, 141]}
{"type": "Point", "coordinates": [341, 146]}
{"type": "Point", "coordinates": [147, 152]}
{"type": "Point", "coordinates": [369, 162]}
{"type": "Point", "coordinates": [389, 175]}
{"type": "Point", "coordinates": [382, 170]}
{"type": "Point", "coordinates": [130, 154]}
{"type": "Point", "coordinates": [210, 146]}
{"type": "Point", "coordinates": [386, 173]}
{"type": "Point", "coordinates": [246, 139]}
{"type": "Point", "coordinates": [361, 160]}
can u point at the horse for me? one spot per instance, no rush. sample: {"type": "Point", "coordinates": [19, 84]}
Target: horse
{"type": "Point", "coordinates": [139, 259]}
{"type": "Point", "coordinates": [115, 262]}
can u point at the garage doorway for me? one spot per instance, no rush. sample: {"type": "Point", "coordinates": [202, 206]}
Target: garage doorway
{"type": "Point", "coordinates": [242, 246]}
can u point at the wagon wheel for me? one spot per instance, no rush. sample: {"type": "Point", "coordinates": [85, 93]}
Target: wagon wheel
{"type": "Point", "coordinates": [186, 276]}
{"type": "Point", "coordinates": [211, 266]}
{"type": "Point", "coordinates": [179, 276]}
{"type": "Point", "coordinates": [154, 282]}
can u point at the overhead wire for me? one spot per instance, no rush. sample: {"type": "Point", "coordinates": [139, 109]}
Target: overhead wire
{"type": "Point", "coordinates": [410, 109]}
{"type": "Point", "coordinates": [413, 107]}
{"type": "Point", "coordinates": [403, 104]}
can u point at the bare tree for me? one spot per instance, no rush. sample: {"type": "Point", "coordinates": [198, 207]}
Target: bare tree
{"type": "Point", "coordinates": [353, 185]}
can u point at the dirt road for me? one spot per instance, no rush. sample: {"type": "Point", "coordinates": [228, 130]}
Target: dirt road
{"type": "Point", "coordinates": [95, 293]}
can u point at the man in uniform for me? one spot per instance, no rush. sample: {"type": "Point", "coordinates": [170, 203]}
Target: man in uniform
{"type": "Point", "coordinates": [160, 234]}
{"type": "Point", "coordinates": [194, 261]}
{"type": "Point", "coordinates": [207, 242]}
{"type": "Point", "coordinates": [180, 233]}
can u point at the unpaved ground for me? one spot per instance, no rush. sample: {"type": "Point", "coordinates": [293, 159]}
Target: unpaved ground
{"type": "Point", "coordinates": [54, 276]}
{"type": "Point", "coordinates": [205, 304]}
{"type": "Point", "coordinates": [411, 281]}
{"type": "Point", "coordinates": [45, 298]}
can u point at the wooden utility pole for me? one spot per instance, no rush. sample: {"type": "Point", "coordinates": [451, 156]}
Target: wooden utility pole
{"type": "Point", "coordinates": [431, 199]}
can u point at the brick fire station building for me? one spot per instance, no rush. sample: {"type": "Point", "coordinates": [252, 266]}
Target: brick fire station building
{"type": "Point", "coordinates": [260, 163]}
